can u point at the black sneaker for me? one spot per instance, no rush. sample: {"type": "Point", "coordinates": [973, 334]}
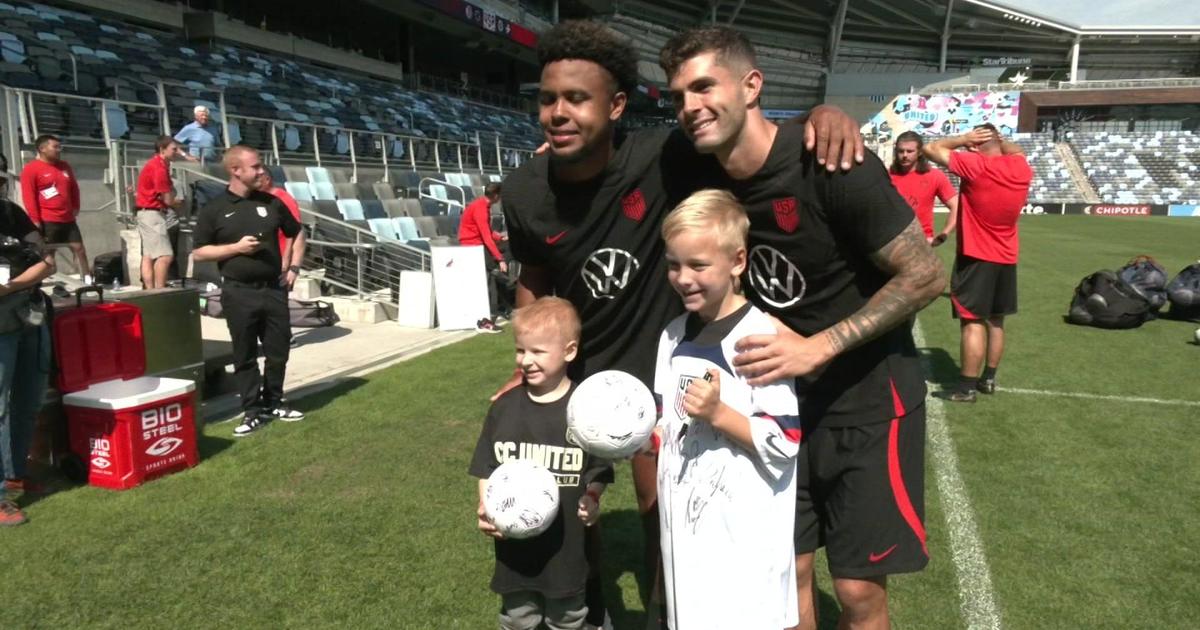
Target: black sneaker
{"type": "Point", "coordinates": [287, 414]}
{"type": "Point", "coordinates": [486, 325]}
{"type": "Point", "coordinates": [251, 422]}
{"type": "Point", "coordinates": [959, 395]}
{"type": "Point", "coordinates": [60, 291]}
{"type": "Point", "coordinates": [986, 386]}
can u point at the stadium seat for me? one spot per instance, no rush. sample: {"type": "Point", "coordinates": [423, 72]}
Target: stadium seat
{"type": "Point", "coordinates": [351, 209]}
{"type": "Point", "coordinates": [295, 173]}
{"type": "Point", "coordinates": [373, 209]}
{"type": "Point", "coordinates": [345, 191]}
{"type": "Point", "coordinates": [327, 208]}
{"type": "Point", "coordinates": [447, 226]}
{"type": "Point", "coordinates": [365, 191]}
{"type": "Point", "coordinates": [299, 190]}
{"type": "Point", "coordinates": [317, 175]}
{"type": "Point", "coordinates": [427, 227]}
{"type": "Point", "coordinates": [431, 207]}
{"type": "Point", "coordinates": [384, 191]}
{"type": "Point", "coordinates": [338, 175]}
{"type": "Point", "coordinates": [384, 228]}
{"type": "Point", "coordinates": [394, 208]}
{"type": "Point", "coordinates": [407, 228]}
{"type": "Point", "coordinates": [323, 190]}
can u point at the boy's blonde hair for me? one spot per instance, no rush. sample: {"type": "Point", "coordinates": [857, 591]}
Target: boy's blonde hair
{"type": "Point", "coordinates": [549, 313]}
{"type": "Point", "coordinates": [710, 209]}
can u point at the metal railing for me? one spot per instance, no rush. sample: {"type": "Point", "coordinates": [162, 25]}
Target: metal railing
{"type": "Point", "coordinates": [479, 96]}
{"type": "Point", "coordinates": [354, 259]}
{"type": "Point", "coordinates": [79, 121]}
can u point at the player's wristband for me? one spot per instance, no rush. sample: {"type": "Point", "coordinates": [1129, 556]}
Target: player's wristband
{"type": "Point", "coordinates": [595, 495]}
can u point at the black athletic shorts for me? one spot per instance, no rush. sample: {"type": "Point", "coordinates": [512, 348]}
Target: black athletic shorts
{"type": "Point", "coordinates": [860, 493]}
{"type": "Point", "coordinates": [61, 232]}
{"type": "Point", "coordinates": [980, 289]}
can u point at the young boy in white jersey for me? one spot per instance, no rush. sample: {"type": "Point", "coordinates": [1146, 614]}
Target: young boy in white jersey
{"type": "Point", "coordinates": [541, 579]}
{"type": "Point", "coordinates": [727, 451]}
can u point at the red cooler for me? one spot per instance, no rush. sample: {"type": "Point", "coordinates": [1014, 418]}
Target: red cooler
{"type": "Point", "coordinates": [132, 431]}
{"type": "Point", "coordinates": [125, 427]}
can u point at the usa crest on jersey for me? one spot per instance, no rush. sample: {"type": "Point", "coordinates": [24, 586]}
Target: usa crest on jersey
{"type": "Point", "coordinates": [684, 381]}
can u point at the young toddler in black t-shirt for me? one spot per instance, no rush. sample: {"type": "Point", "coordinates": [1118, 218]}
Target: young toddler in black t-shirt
{"type": "Point", "coordinates": [541, 579]}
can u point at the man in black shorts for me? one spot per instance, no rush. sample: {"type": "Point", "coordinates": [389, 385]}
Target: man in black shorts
{"type": "Point", "coordinates": [584, 218]}
{"type": "Point", "coordinates": [843, 262]}
{"type": "Point", "coordinates": [995, 184]}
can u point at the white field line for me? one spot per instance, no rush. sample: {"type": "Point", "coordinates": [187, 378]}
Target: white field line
{"type": "Point", "coordinates": [978, 601]}
{"type": "Point", "coordinates": [1129, 399]}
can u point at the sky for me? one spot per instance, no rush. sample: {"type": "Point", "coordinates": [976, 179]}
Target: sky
{"type": "Point", "coordinates": [1181, 13]}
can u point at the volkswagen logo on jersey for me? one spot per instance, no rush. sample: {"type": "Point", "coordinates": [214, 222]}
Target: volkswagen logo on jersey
{"type": "Point", "coordinates": [607, 271]}
{"type": "Point", "coordinates": [775, 278]}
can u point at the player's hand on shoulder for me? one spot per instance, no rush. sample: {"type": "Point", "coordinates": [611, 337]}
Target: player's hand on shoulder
{"type": "Point", "coordinates": [764, 359]}
{"type": "Point", "coordinates": [835, 137]}
{"type": "Point", "coordinates": [703, 397]}
{"type": "Point", "coordinates": [515, 380]}
{"type": "Point", "coordinates": [485, 526]}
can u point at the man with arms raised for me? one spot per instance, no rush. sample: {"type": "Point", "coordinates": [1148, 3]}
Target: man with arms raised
{"type": "Point", "coordinates": [584, 217]}
{"type": "Point", "coordinates": [995, 184]}
{"type": "Point", "coordinates": [841, 260]}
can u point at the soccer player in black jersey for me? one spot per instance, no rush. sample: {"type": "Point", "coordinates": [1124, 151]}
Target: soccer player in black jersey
{"type": "Point", "coordinates": [843, 262]}
{"type": "Point", "coordinates": [584, 217]}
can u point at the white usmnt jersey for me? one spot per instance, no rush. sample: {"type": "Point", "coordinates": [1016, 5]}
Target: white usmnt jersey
{"type": "Point", "coordinates": [726, 512]}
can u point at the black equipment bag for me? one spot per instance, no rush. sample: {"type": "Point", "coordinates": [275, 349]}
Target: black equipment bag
{"type": "Point", "coordinates": [1103, 300]}
{"type": "Point", "coordinates": [109, 267]}
{"type": "Point", "coordinates": [1184, 293]}
{"type": "Point", "coordinates": [301, 313]}
{"type": "Point", "coordinates": [1148, 278]}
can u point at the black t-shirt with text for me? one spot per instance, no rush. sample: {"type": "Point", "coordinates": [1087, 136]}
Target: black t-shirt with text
{"type": "Point", "coordinates": [601, 243]}
{"type": "Point", "coordinates": [553, 562]}
{"type": "Point", "coordinates": [228, 218]}
{"type": "Point", "coordinates": [811, 235]}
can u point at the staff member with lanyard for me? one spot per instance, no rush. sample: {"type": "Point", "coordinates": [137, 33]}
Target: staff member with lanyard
{"type": "Point", "coordinates": [238, 230]}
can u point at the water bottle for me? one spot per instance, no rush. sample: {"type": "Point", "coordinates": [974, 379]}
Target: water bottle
{"type": "Point", "coordinates": [116, 283]}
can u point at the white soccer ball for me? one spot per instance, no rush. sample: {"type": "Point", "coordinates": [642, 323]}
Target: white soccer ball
{"type": "Point", "coordinates": [1197, 335]}
{"type": "Point", "coordinates": [611, 414]}
{"type": "Point", "coordinates": [521, 499]}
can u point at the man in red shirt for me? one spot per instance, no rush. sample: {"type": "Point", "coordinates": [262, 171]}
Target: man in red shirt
{"type": "Point", "coordinates": [918, 184]}
{"type": "Point", "coordinates": [995, 185]}
{"type": "Point", "coordinates": [293, 207]}
{"type": "Point", "coordinates": [154, 198]}
{"type": "Point", "coordinates": [51, 197]}
{"type": "Point", "coordinates": [475, 228]}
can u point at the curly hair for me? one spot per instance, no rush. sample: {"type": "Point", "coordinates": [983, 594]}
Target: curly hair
{"type": "Point", "coordinates": [731, 46]}
{"type": "Point", "coordinates": [594, 42]}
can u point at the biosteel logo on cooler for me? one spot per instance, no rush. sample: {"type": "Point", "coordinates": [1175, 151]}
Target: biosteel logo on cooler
{"type": "Point", "coordinates": [1118, 210]}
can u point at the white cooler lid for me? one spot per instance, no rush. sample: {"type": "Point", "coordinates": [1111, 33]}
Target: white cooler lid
{"type": "Point", "coordinates": [127, 394]}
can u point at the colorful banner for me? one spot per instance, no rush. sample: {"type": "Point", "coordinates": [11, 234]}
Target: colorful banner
{"type": "Point", "coordinates": [943, 115]}
{"type": "Point", "coordinates": [1183, 211]}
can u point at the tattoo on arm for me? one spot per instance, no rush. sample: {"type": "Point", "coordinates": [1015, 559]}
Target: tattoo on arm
{"type": "Point", "coordinates": [917, 278]}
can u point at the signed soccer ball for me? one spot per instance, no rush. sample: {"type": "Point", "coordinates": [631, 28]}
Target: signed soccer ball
{"type": "Point", "coordinates": [611, 414]}
{"type": "Point", "coordinates": [521, 499]}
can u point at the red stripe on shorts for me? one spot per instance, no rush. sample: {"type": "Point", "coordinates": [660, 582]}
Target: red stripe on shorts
{"type": "Point", "coordinates": [962, 310]}
{"type": "Point", "coordinates": [896, 477]}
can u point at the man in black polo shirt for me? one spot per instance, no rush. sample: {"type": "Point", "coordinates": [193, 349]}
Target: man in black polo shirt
{"type": "Point", "coordinates": [842, 260]}
{"type": "Point", "coordinates": [238, 230]}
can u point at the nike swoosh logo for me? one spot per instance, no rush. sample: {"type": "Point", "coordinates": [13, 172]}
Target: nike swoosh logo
{"type": "Point", "coordinates": [550, 240]}
{"type": "Point", "coordinates": [231, 214]}
{"type": "Point", "coordinates": [876, 557]}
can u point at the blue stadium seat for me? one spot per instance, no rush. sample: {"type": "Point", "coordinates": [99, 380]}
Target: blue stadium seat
{"type": "Point", "coordinates": [322, 190]}
{"type": "Point", "coordinates": [406, 227]}
{"type": "Point", "coordinates": [431, 208]}
{"type": "Point", "coordinates": [384, 228]}
{"type": "Point", "coordinates": [299, 190]}
{"type": "Point", "coordinates": [316, 174]}
{"type": "Point", "coordinates": [351, 209]}
{"type": "Point", "coordinates": [373, 209]}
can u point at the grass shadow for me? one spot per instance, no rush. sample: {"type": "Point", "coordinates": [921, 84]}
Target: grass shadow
{"type": "Point", "coordinates": [942, 367]}
{"type": "Point", "coordinates": [317, 396]}
{"type": "Point", "coordinates": [828, 611]}
{"type": "Point", "coordinates": [621, 532]}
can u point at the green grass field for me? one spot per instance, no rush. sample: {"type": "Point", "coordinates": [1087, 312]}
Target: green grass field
{"type": "Point", "coordinates": [362, 516]}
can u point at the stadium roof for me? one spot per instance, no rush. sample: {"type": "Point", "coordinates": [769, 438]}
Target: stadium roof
{"type": "Point", "coordinates": [1148, 16]}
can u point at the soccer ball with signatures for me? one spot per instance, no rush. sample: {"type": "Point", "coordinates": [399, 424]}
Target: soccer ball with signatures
{"type": "Point", "coordinates": [521, 499]}
{"type": "Point", "coordinates": [611, 414]}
